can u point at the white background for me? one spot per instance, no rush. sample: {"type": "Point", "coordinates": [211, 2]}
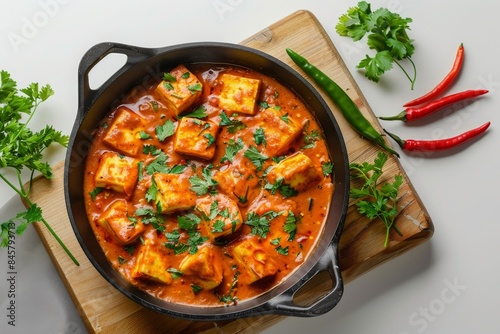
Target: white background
{"type": "Point", "coordinates": [447, 285]}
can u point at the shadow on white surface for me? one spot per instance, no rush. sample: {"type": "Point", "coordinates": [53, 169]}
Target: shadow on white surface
{"type": "Point", "coordinates": [44, 307]}
{"type": "Point", "coordinates": [362, 291]}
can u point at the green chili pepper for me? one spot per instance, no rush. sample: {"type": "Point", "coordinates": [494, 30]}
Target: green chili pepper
{"type": "Point", "coordinates": [346, 105]}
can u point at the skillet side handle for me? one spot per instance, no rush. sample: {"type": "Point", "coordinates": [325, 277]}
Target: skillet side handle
{"type": "Point", "coordinates": [86, 95]}
{"type": "Point", "coordinates": [284, 304]}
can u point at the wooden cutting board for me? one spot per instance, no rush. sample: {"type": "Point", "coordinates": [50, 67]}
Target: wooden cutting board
{"type": "Point", "coordinates": [105, 310]}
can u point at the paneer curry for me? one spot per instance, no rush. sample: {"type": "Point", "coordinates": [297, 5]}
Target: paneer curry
{"type": "Point", "coordinates": [208, 186]}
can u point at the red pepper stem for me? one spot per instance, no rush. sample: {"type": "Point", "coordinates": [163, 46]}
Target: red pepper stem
{"type": "Point", "coordinates": [399, 141]}
{"type": "Point", "coordinates": [399, 117]}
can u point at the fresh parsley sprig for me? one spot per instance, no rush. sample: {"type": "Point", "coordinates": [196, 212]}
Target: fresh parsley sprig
{"type": "Point", "coordinates": [386, 34]}
{"type": "Point", "coordinates": [376, 200]}
{"type": "Point", "coordinates": [22, 149]}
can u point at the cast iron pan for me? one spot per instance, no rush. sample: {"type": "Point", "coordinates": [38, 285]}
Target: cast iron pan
{"type": "Point", "coordinates": [144, 64]}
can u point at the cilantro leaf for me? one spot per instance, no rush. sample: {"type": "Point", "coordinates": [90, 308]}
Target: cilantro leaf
{"type": "Point", "coordinates": [376, 66]}
{"type": "Point", "coordinates": [205, 184]}
{"type": "Point", "coordinates": [165, 130]}
{"type": "Point", "coordinates": [255, 157]}
{"type": "Point", "coordinates": [280, 185]}
{"type": "Point", "coordinates": [188, 222]}
{"type": "Point", "coordinates": [260, 224]}
{"type": "Point", "coordinates": [387, 35]}
{"type": "Point", "coordinates": [375, 200]}
{"type": "Point", "coordinates": [21, 150]}
{"type": "Point", "coordinates": [259, 136]}
{"type": "Point", "coordinates": [232, 125]}
{"type": "Point", "coordinates": [159, 164]}
{"type": "Point", "coordinates": [232, 149]}
{"type": "Point", "coordinates": [290, 226]}
{"type": "Point", "coordinates": [151, 216]}
{"type": "Point", "coordinates": [327, 168]}
{"type": "Point", "coordinates": [152, 191]}
{"type": "Point", "coordinates": [198, 112]}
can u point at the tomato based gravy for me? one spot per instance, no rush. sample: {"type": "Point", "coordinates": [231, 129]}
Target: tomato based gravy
{"type": "Point", "coordinates": [209, 186]}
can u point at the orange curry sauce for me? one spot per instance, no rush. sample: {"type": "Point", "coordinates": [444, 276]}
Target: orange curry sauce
{"type": "Point", "coordinates": [220, 209]}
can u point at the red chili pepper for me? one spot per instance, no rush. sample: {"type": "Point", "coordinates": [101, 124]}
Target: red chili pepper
{"type": "Point", "coordinates": [439, 144]}
{"type": "Point", "coordinates": [445, 83]}
{"type": "Point", "coordinates": [413, 113]}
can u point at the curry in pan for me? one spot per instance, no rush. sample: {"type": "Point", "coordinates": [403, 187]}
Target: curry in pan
{"type": "Point", "coordinates": [209, 187]}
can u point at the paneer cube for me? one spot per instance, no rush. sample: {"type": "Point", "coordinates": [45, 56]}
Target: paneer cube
{"type": "Point", "coordinates": [123, 133]}
{"type": "Point", "coordinates": [297, 171]}
{"type": "Point", "coordinates": [278, 132]}
{"type": "Point", "coordinates": [152, 264]}
{"type": "Point", "coordinates": [254, 261]}
{"type": "Point", "coordinates": [116, 219]}
{"type": "Point", "coordinates": [221, 214]}
{"type": "Point", "coordinates": [235, 183]}
{"type": "Point", "coordinates": [205, 266]}
{"type": "Point", "coordinates": [196, 138]}
{"type": "Point", "coordinates": [239, 94]}
{"type": "Point", "coordinates": [116, 172]}
{"type": "Point", "coordinates": [180, 89]}
{"type": "Point", "coordinates": [173, 192]}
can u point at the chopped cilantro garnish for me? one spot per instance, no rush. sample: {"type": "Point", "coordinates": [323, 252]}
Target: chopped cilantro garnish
{"type": "Point", "coordinates": [280, 185]}
{"type": "Point", "coordinates": [152, 191]}
{"type": "Point", "coordinates": [256, 157]}
{"type": "Point", "coordinates": [144, 135]}
{"type": "Point", "coordinates": [327, 168]}
{"type": "Point", "coordinates": [150, 216]}
{"type": "Point", "coordinates": [260, 224]}
{"type": "Point", "coordinates": [159, 164]}
{"type": "Point", "coordinates": [198, 112]}
{"type": "Point", "coordinates": [232, 149]}
{"type": "Point", "coordinates": [203, 185]}
{"type": "Point", "coordinates": [290, 226]}
{"type": "Point", "coordinates": [165, 130]}
{"type": "Point", "coordinates": [195, 88]}
{"type": "Point", "coordinates": [259, 136]}
{"type": "Point", "coordinates": [231, 124]}
{"type": "Point", "coordinates": [93, 194]}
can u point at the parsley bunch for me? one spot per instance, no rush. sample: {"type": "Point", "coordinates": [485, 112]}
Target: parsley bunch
{"type": "Point", "coordinates": [386, 34]}
{"type": "Point", "coordinates": [22, 149]}
{"type": "Point", "coordinates": [376, 200]}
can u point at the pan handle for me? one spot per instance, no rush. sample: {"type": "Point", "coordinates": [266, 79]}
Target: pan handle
{"type": "Point", "coordinates": [86, 95]}
{"type": "Point", "coordinates": [284, 304]}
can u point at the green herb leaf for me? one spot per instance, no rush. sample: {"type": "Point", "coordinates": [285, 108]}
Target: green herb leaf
{"type": "Point", "coordinates": [165, 130]}
{"type": "Point", "coordinates": [159, 164]}
{"type": "Point", "coordinates": [232, 125]}
{"type": "Point", "coordinates": [327, 168]}
{"type": "Point", "coordinates": [205, 184]}
{"type": "Point", "coordinates": [176, 273]}
{"type": "Point", "coordinates": [169, 77]}
{"type": "Point", "coordinates": [376, 200]}
{"type": "Point", "coordinates": [188, 222]}
{"type": "Point", "coordinates": [259, 136]}
{"type": "Point", "coordinates": [21, 150]}
{"type": "Point", "coordinates": [199, 112]}
{"type": "Point", "coordinates": [260, 224]}
{"type": "Point", "coordinates": [280, 185]}
{"type": "Point", "coordinates": [255, 157]}
{"type": "Point", "coordinates": [150, 216]}
{"type": "Point", "coordinates": [387, 34]}
{"type": "Point", "coordinates": [290, 226]}
{"type": "Point", "coordinates": [232, 149]}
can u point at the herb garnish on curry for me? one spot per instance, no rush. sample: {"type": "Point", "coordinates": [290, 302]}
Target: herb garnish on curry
{"type": "Point", "coordinates": [209, 187]}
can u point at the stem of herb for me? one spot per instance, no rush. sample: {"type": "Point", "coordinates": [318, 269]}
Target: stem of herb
{"type": "Point", "coordinates": [412, 81]}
